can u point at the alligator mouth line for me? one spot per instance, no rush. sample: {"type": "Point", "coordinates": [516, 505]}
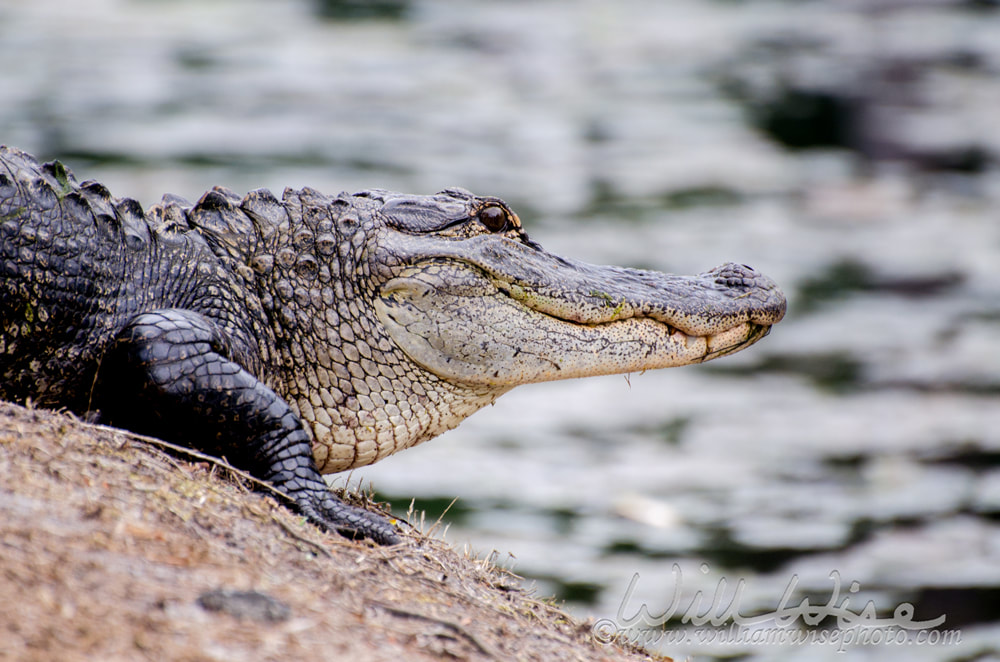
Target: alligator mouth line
{"type": "Point", "coordinates": [735, 338]}
{"type": "Point", "coordinates": [715, 345]}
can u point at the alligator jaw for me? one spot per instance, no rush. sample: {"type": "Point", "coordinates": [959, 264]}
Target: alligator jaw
{"type": "Point", "coordinates": [500, 313]}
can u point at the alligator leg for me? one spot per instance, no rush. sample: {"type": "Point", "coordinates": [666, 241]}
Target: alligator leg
{"type": "Point", "coordinates": [169, 373]}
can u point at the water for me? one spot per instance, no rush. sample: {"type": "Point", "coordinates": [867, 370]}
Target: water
{"type": "Point", "coordinates": [862, 437]}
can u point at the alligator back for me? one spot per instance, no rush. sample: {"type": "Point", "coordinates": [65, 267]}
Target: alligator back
{"type": "Point", "coordinates": [75, 266]}
{"type": "Point", "coordinates": [157, 321]}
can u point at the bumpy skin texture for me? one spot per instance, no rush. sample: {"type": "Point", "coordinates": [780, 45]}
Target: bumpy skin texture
{"type": "Point", "coordinates": [317, 333]}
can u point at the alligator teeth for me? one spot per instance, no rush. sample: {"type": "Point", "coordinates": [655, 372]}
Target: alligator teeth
{"type": "Point", "coordinates": [679, 336]}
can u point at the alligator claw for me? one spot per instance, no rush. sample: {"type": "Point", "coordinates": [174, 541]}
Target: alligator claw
{"type": "Point", "coordinates": [352, 522]}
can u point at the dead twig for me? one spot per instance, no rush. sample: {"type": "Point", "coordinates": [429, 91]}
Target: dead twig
{"type": "Point", "coordinates": [454, 627]}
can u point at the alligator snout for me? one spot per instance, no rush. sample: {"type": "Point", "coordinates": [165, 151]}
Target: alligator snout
{"type": "Point", "coordinates": [768, 305]}
{"type": "Point", "coordinates": [492, 310]}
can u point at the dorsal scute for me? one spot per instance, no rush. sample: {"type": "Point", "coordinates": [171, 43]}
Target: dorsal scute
{"type": "Point", "coordinates": [134, 228]}
{"type": "Point", "coordinates": [312, 197]}
{"type": "Point", "coordinates": [266, 212]}
{"type": "Point", "coordinates": [223, 224]}
{"type": "Point", "coordinates": [167, 221]}
{"type": "Point", "coordinates": [60, 177]}
{"type": "Point", "coordinates": [98, 197]}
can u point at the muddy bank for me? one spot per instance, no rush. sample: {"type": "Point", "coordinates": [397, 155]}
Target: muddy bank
{"type": "Point", "coordinates": [112, 549]}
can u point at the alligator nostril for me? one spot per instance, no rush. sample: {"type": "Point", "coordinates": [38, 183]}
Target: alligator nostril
{"type": "Point", "coordinates": [748, 267]}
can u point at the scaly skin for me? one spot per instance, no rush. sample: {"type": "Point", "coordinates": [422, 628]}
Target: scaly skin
{"type": "Point", "coordinates": [315, 333]}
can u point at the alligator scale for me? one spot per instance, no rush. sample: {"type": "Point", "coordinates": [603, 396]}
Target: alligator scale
{"type": "Point", "coordinates": [317, 333]}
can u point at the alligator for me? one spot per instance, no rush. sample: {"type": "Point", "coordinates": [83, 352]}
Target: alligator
{"type": "Point", "coordinates": [317, 333]}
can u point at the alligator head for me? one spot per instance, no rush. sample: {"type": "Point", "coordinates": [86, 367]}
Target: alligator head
{"type": "Point", "coordinates": [472, 299]}
{"type": "Point", "coordinates": [397, 316]}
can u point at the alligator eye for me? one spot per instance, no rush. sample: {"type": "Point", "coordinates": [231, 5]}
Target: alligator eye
{"type": "Point", "coordinates": [494, 218]}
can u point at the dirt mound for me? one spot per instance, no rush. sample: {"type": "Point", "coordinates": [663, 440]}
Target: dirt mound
{"type": "Point", "coordinates": [112, 549]}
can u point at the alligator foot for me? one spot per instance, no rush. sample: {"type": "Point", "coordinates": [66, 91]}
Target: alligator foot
{"type": "Point", "coordinates": [170, 373]}
{"type": "Point", "coordinates": [314, 500]}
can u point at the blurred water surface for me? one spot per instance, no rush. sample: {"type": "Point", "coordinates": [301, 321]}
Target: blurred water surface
{"type": "Point", "coordinates": [848, 149]}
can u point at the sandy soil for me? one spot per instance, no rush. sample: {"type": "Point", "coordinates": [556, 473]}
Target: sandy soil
{"type": "Point", "coordinates": [112, 549]}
